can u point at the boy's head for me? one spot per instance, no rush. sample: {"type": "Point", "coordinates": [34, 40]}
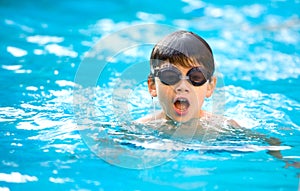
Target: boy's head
{"type": "Point", "coordinates": [181, 55]}
{"type": "Point", "coordinates": [183, 48]}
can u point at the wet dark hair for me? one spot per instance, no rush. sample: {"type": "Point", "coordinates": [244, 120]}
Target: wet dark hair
{"type": "Point", "coordinates": [183, 48]}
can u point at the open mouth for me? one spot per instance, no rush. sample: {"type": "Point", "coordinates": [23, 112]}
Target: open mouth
{"type": "Point", "coordinates": [181, 105]}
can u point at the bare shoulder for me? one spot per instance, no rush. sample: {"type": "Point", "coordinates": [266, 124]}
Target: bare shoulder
{"type": "Point", "coordinates": [233, 123]}
{"type": "Point", "coordinates": [214, 117]}
{"type": "Point", "coordinates": [151, 117]}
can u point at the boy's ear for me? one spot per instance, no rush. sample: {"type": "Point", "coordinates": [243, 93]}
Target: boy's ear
{"type": "Point", "coordinates": [151, 86]}
{"type": "Point", "coordinates": [211, 86]}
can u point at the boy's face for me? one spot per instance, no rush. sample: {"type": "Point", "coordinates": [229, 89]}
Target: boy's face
{"type": "Point", "coordinates": [182, 101]}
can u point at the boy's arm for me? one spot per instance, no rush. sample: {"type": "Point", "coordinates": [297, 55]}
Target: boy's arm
{"type": "Point", "coordinates": [277, 154]}
{"type": "Point", "coordinates": [272, 141]}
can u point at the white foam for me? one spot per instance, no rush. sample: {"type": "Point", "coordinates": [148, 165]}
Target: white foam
{"type": "Point", "coordinates": [32, 88]}
{"type": "Point", "coordinates": [42, 40]}
{"type": "Point", "coordinates": [60, 180]}
{"type": "Point", "coordinates": [4, 189]}
{"type": "Point", "coordinates": [11, 114]}
{"type": "Point", "coordinates": [192, 5]}
{"type": "Point", "coordinates": [63, 83]}
{"type": "Point", "coordinates": [16, 177]}
{"type": "Point", "coordinates": [254, 10]}
{"type": "Point", "coordinates": [214, 12]}
{"type": "Point", "coordinates": [17, 52]}
{"type": "Point", "coordinates": [148, 17]}
{"type": "Point", "coordinates": [60, 50]}
{"type": "Point", "coordinates": [23, 71]}
{"type": "Point", "coordinates": [11, 67]}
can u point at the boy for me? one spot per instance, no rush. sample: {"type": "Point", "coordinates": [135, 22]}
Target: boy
{"type": "Point", "coordinates": [181, 76]}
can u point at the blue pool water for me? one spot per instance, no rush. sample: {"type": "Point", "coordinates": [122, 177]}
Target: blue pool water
{"type": "Point", "coordinates": [56, 137]}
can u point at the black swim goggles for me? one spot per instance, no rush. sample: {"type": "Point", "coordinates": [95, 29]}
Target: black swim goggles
{"type": "Point", "coordinates": [170, 75]}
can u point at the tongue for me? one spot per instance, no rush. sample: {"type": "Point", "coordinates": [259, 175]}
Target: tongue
{"type": "Point", "coordinates": [181, 105]}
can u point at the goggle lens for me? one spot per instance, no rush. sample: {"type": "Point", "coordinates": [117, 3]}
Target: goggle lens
{"type": "Point", "coordinates": [171, 75]}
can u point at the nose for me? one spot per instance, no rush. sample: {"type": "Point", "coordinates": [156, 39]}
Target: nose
{"type": "Point", "coordinates": [182, 87]}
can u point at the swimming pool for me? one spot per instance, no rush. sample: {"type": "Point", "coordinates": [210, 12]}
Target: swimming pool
{"type": "Point", "coordinates": [44, 140]}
